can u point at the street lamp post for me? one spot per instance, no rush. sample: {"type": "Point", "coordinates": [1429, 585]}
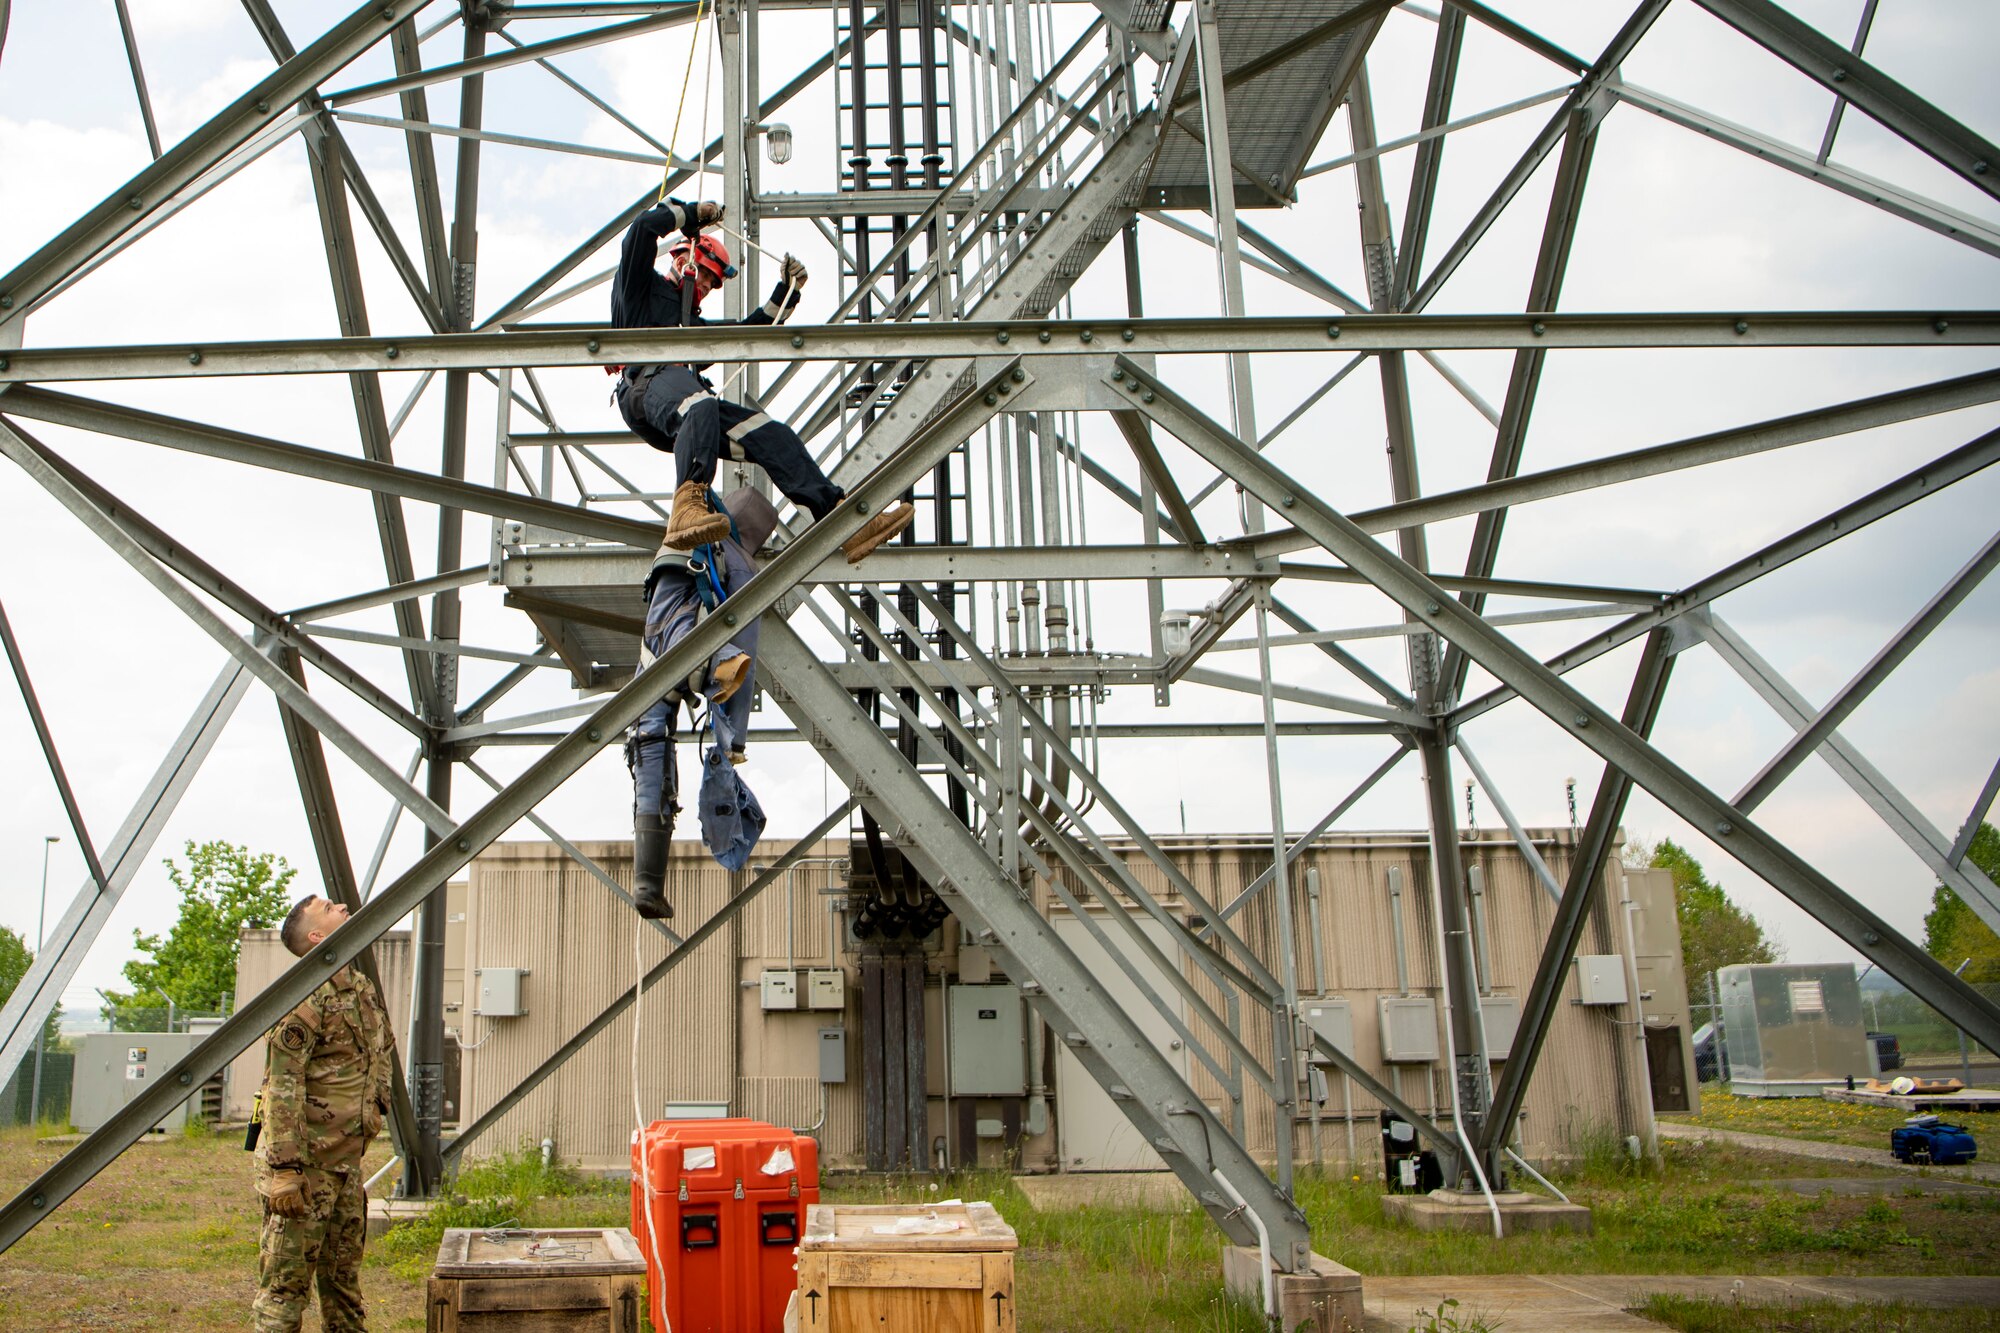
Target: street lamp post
{"type": "Point", "coordinates": [41, 1033]}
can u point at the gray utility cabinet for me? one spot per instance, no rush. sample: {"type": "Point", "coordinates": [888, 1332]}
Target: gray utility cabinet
{"type": "Point", "coordinates": [1792, 1028]}
{"type": "Point", "coordinates": [112, 1068]}
{"type": "Point", "coordinates": [989, 1042]}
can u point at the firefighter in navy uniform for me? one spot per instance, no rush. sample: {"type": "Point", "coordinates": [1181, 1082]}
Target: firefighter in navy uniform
{"type": "Point", "coordinates": [674, 408]}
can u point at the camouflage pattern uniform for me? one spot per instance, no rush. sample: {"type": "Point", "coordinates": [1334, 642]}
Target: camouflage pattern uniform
{"type": "Point", "coordinates": [327, 1072]}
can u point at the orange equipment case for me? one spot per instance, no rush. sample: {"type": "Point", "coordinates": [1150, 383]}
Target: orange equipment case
{"type": "Point", "coordinates": [727, 1212]}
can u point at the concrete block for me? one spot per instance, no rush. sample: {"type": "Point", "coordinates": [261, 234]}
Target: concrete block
{"type": "Point", "coordinates": [385, 1213]}
{"type": "Point", "coordinates": [1325, 1300]}
{"type": "Point", "coordinates": [1451, 1210]}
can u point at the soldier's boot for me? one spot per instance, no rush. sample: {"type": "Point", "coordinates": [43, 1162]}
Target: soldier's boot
{"type": "Point", "coordinates": [651, 835]}
{"type": "Point", "coordinates": [886, 524]}
{"type": "Point", "coordinates": [694, 522]}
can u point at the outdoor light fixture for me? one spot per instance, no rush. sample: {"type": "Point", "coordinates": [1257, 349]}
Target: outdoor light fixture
{"type": "Point", "coordinates": [1176, 634]}
{"type": "Point", "coordinates": [778, 142]}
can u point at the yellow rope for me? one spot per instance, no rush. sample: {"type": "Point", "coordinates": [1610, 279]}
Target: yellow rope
{"type": "Point", "coordinates": [687, 78]}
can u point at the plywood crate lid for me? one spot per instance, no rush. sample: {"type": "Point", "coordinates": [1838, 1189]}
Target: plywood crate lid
{"type": "Point", "coordinates": [556, 1252]}
{"type": "Point", "coordinates": [954, 1227]}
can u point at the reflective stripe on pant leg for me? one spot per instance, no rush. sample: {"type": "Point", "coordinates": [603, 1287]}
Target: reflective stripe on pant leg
{"type": "Point", "coordinates": [776, 447]}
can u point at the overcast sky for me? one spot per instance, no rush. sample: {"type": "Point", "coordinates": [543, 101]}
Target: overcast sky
{"type": "Point", "coordinates": [1672, 221]}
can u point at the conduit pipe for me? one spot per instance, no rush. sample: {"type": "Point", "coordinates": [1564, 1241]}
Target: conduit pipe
{"type": "Point", "coordinates": [1451, 1061]}
{"type": "Point", "coordinates": [1263, 1246]}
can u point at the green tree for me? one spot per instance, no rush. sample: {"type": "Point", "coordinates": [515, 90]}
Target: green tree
{"type": "Point", "coordinates": [1952, 932]}
{"type": "Point", "coordinates": [224, 889]}
{"type": "Point", "coordinates": [15, 958]}
{"type": "Point", "coordinates": [1715, 932]}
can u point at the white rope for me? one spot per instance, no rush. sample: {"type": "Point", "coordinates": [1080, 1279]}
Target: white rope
{"type": "Point", "coordinates": [639, 1109]}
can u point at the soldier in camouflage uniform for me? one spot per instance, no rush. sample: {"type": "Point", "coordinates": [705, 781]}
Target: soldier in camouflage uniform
{"type": "Point", "coordinates": [327, 1076]}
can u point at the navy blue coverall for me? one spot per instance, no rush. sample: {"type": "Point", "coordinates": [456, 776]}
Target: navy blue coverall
{"type": "Point", "coordinates": [674, 408]}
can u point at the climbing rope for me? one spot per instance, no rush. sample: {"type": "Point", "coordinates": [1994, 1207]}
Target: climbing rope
{"type": "Point", "coordinates": [687, 77]}
{"type": "Point", "coordinates": [639, 1109]}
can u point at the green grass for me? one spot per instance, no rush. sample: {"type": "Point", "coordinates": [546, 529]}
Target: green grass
{"type": "Point", "coordinates": [1812, 1118]}
{"type": "Point", "coordinates": [1702, 1209]}
{"type": "Point", "coordinates": [166, 1238]}
{"type": "Point", "coordinates": [1692, 1315]}
{"type": "Point", "coordinates": [1092, 1269]}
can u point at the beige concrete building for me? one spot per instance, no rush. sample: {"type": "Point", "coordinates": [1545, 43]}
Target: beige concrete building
{"type": "Point", "coordinates": [553, 949]}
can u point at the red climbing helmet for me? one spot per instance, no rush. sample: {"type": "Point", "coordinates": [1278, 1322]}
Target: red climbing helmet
{"type": "Point", "coordinates": [709, 252]}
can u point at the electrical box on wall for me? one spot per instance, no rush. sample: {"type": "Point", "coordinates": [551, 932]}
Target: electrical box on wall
{"type": "Point", "coordinates": [989, 1042]}
{"type": "Point", "coordinates": [1409, 1029]}
{"type": "Point", "coordinates": [780, 989]}
{"type": "Point", "coordinates": [833, 1055]}
{"type": "Point", "coordinates": [826, 988]}
{"type": "Point", "coordinates": [1600, 978]}
{"type": "Point", "coordinates": [1500, 1017]}
{"type": "Point", "coordinates": [1333, 1019]}
{"type": "Point", "coordinates": [499, 991]}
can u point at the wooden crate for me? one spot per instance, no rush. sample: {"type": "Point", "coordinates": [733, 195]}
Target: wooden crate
{"type": "Point", "coordinates": [565, 1280]}
{"type": "Point", "coordinates": [853, 1276]}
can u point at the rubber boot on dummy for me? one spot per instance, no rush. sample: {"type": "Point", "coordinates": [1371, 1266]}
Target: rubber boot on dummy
{"type": "Point", "coordinates": [651, 836]}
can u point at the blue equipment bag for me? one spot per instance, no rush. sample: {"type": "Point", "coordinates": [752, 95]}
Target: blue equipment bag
{"type": "Point", "coordinates": [1927, 1141]}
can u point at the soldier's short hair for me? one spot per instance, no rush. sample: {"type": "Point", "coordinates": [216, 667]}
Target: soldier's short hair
{"type": "Point", "coordinates": [295, 929]}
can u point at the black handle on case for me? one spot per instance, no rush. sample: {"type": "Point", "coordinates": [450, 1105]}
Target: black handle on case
{"type": "Point", "coordinates": [701, 1222]}
{"type": "Point", "coordinates": [785, 1221]}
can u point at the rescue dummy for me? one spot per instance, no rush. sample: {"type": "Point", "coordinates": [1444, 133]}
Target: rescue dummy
{"type": "Point", "coordinates": [679, 590]}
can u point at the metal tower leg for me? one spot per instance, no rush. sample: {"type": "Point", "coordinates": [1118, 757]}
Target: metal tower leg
{"type": "Point", "coordinates": [1196, 1145]}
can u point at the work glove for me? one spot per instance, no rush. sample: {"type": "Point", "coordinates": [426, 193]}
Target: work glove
{"type": "Point", "coordinates": [288, 1194]}
{"type": "Point", "coordinates": [794, 272]}
{"type": "Point", "coordinates": [706, 214]}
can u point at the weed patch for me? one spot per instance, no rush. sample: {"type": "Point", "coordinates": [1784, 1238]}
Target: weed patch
{"type": "Point", "coordinates": [1693, 1315]}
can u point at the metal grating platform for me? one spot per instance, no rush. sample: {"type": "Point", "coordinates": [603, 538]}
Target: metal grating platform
{"type": "Point", "coordinates": [1276, 114]}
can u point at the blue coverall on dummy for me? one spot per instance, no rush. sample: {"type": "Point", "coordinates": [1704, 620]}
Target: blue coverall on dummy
{"type": "Point", "coordinates": [673, 601]}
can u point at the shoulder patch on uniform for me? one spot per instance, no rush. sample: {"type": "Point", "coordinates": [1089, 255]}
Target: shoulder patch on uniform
{"type": "Point", "coordinates": [293, 1036]}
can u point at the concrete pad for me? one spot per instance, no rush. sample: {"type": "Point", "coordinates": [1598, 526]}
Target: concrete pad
{"type": "Point", "coordinates": [1106, 1189]}
{"type": "Point", "coordinates": [1326, 1300]}
{"type": "Point", "coordinates": [1452, 1210]}
{"type": "Point", "coordinates": [1510, 1301]}
{"type": "Point", "coordinates": [1600, 1301]}
{"type": "Point", "coordinates": [385, 1213]}
{"type": "Point", "coordinates": [1966, 1101]}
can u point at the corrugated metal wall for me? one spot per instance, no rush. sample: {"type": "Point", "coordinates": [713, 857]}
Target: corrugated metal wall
{"type": "Point", "coordinates": [529, 906]}
{"type": "Point", "coordinates": [708, 1039]}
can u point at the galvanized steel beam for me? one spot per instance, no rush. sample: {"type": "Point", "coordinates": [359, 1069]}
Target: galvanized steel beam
{"type": "Point", "coordinates": [63, 950]}
{"type": "Point", "coordinates": [1582, 720]}
{"type": "Point", "coordinates": [684, 949]}
{"type": "Point", "coordinates": [1926, 480]}
{"type": "Point", "coordinates": [595, 345]}
{"type": "Point", "coordinates": [1896, 810]}
{"type": "Point", "coordinates": [440, 861]}
{"type": "Point", "coordinates": [129, 205]}
{"type": "Point", "coordinates": [1586, 866]}
{"type": "Point", "coordinates": [1844, 74]}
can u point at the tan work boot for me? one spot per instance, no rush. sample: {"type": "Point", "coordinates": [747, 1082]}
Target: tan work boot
{"type": "Point", "coordinates": [729, 677]}
{"type": "Point", "coordinates": [879, 529]}
{"type": "Point", "coordinates": [693, 523]}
